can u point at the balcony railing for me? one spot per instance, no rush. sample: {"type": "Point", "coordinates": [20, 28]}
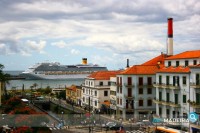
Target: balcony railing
{"type": "Point", "coordinates": [167, 103]}
{"type": "Point", "coordinates": [129, 96]}
{"type": "Point", "coordinates": [167, 86]}
{"type": "Point", "coordinates": [128, 85]}
{"type": "Point", "coordinates": [129, 109]}
{"type": "Point", "coordinates": [195, 85]}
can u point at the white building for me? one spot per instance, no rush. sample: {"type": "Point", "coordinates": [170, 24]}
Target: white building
{"type": "Point", "coordinates": [135, 91]}
{"type": "Point", "coordinates": [178, 86]}
{"type": "Point", "coordinates": [97, 89]}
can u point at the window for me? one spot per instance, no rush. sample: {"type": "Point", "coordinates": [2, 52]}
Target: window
{"type": "Point", "coordinates": [95, 103]}
{"type": "Point", "coordinates": [194, 62]}
{"type": "Point", "coordinates": [83, 90]}
{"type": "Point", "coordinates": [197, 79]}
{"type": "Point", "coordinates": [184, 80]}
{"type": "Point", "coordinates": [160, 95]}
{"type": "Point", "coordinates": [176, 98]}
{"type": "Point", "coordinates": [140, 102]}
{"type": "Point", "coordinates": [160, 79]}
{"type": "Point", "coordinates": [167, 96]}
{"type": "Point", "coordinates": [167, 110]}
{"type": "Point", "coordinates": [109, 83]}
{"type": "Point", "coordinates": [149, 91]}
{"type": "Point", "coordinates": [184, 98]}
{"type": "Point", "coordinates": [83, 99]}
{"type": "Point", "coordinates": [117, 80]}
{"type": "Point", "coordinates": [95, 93]}
{"type": "Point", "coordinates": [186, 63]}
{"type": "Point", "coordinates": [177, 63]}
{"type": "Point", "coordinates": [149, 81]}
{"type": "Point", "coordinates": [197, 98]}
{"type": "Point", "coordinates": [117, 89]}
{"type": "Point", "coordinates": [105, 93]}
{"type": "Point", "coordinates": [101, 83]}
{"type": "Point", "coordinates": [140, 90]}
{"type": "Point", "coordinates": [149, 102]}
{"type": "Point", "coordinates": [129, 81]}
{"type": "Point", "coordinates": [160, 111]}
{"type": "Point", "coordinates": [117, 100]}
{"type": "Point", "coordinates": [121, 90]}
{"type": "Point", "coordinates": [169, 63]}
{"type": "Point", "coordinates": [120, 80]}
{"type": "Point", "coordinates": [167, 80]}
{"type": "Point", "coordinates": [140, 81]}
{"type": "Point", "coordinates": [91, 83]}
{"type": "Point", "coordinates": [91, 92]}
{"type": "Point", "coordinates": [120, 101]}
{"type": "Point", "coordinates": [113, 93]}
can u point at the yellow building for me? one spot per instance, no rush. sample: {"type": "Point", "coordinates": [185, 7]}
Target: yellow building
{"type": "Point", "coordinates": [73, 94]}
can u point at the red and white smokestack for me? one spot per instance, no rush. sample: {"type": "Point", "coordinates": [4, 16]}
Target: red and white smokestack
{"type": "Point", "coordinates": [170, 37]}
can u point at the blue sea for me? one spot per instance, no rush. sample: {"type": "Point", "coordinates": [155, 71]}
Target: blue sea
{"type": "Point", "coordinates": [41, 83]}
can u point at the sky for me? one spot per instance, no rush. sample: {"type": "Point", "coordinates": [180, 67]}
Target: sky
{"type": "Point", "coordinates": [106, 32]}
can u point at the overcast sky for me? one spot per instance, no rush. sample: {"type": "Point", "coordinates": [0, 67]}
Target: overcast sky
{"type": "Point", "coordinates": [107, 32]}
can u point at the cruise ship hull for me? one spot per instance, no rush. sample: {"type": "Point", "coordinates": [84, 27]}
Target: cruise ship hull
{"type": "Point", "coordinates": [43, 76]}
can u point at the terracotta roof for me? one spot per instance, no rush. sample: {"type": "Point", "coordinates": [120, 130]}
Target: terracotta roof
{"type": "Point", "coordinates": [195, 66]}
{"type": "Point", "coordinates": [172, 69]}
{"type": "Point", "coordinates": [185, 55]}
{"type": "Point", "coordinates": [141, 69]}
{"type": "Point", "coordinates": [72, 87]}
{"type": "Point", "coordinates": [157, 60]}
{"type": "Point", "coordinates": [107, 103]}
{"type": "Point", "coordinates": [103, 75]}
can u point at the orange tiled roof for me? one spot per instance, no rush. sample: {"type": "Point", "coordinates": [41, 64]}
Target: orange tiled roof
{"type": "Point", "coordinates": [72, 87]}
{"type": "Point", "coordinates": [159, 59]}
{"type": "Point", "coordinates": [141, 69]}
{"type": "Point", "coordinates": [107, 103]}
{"type": "Point", "coordinates": [172, 69]}
{"type": "Point", "coordinates": [103, 75]}
{"type": "Point", "coordinates": [185, 55]}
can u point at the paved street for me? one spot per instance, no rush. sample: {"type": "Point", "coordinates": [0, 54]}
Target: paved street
{"type": "Point", "coordinates": [75, 124]}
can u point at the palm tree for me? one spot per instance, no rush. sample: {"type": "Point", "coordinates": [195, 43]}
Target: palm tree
{"type": "Point", "coordinates": [35, 85]}
{"type": "Point", "coordinates": [4, 79]}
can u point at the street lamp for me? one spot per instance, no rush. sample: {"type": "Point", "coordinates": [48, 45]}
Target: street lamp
{"type": "Point", "coordinates": [62, 119]}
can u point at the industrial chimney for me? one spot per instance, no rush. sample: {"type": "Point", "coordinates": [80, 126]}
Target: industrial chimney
{"type": "Point", "coordinates": [170, 37]}
{"type": "Point", "coordinates": [127, 63]}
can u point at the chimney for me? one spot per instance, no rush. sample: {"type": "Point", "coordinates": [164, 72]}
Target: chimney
{"type": "Point", "coordinates": [127, 63]}
{"type": "Point", "coordinates": [170, 37]}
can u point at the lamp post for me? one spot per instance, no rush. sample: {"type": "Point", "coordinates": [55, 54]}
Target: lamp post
{"type": "Point", "coordinates": [99, 114]}
{"type": "Point", "coordinates": [62, 119]}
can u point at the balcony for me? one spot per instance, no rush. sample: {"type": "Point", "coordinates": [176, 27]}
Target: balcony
{"type": "Point", "coordinates": [129, 109]}
{"type": "Point", "coordinates": [157, 101]}
{"type": "Point", "coordinates": [195, 85]}
{"type": "Point", "coordinates": [194, 104]}
{"type": "Point", "coordinates": [128, 85]}
{"type": "Point", "coordinates": [173, 104]}
{"type": "Point", "coordinates": [129, 97]}
{"type": "Point", "coordinates": [119, 84]}
{"type": "Point", "coordinates": [166, 86]}
{"type": "Point", "coordinates": [145, 85]}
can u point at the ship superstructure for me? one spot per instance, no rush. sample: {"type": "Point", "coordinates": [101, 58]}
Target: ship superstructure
{"type": "Point", "coordinates": [55, 70]}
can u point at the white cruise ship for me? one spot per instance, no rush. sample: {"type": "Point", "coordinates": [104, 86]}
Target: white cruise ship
{"type": "Point", "coordinates": [57, 71]}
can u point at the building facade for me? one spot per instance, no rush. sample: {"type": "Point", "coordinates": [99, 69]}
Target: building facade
{"type": "Point", "coordinates": [177, 86]}
{"type": "Point", "coordinates": [73, 94]}
{"type": "Point", "coordinates": [96, 88]}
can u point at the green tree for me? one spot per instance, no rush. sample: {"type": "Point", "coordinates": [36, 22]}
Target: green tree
{"type": "Point", "coordinates": [35, 85]}
{"type": "Point", "coordinates": [47, 90]}
{"type": "Point", "coordinates": [4, 79]}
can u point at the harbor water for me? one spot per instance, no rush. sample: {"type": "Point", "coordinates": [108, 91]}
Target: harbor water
{"type": "Point", "coordinates": [42, 83]}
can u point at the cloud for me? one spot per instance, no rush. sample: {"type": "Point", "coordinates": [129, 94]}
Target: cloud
{"type": "Point", "coordinates": [60, 44]}
{"type": "Point", "coordinates": [33, 45]}
{"type": "Point", "coordinates": [74, 51]}
{"type": "Point", "coordinates": [122, 28]}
